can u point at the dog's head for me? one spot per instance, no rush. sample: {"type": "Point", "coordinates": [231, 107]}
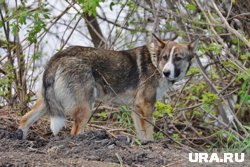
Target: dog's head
{"type": "Point", "coordinates": [171, 58]}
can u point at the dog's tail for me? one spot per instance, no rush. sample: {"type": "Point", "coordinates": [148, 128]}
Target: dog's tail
{"type": "Point", "coordinates": [54, 107]}
{"type": "Point", "coordinates": [37, 111]}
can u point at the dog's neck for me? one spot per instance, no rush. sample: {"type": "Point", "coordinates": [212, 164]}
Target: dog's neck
{"type": "Point", "coordinates": [153, 51]}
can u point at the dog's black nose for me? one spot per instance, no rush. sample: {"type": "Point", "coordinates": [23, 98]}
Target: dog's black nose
{"type": "Point", "coordinates": [166, 73]}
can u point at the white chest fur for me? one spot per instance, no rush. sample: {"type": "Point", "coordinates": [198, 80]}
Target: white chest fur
{"type": "Point", "coordinates": [163, 86]}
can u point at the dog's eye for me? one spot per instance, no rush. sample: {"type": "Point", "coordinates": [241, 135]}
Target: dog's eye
{"type": "Point", "coordinates": [178, 58]}
{"type": "Point", "coordinates": [164, 56]}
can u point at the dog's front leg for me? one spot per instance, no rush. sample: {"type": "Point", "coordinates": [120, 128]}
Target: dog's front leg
{"type": "Point", "coordinates": [143, 118]}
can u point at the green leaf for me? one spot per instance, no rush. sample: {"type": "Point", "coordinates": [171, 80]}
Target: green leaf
{"type": "Point", "coordinates": [22, 17]}
{"type": "Point", "coordinates": [214, 47]}
{"type": "Point", "coordinates": [193, 71]}
{"type": "Point", "coordinates": [103, 115]}
{"type": "Point", "coordinates": [137, 141]}
{"type": "Point", "coordinates": [46, 16]}
{"type": "Point", "coordinates": [176, 136]}
{"type": "Point", "coordinates": [162, 110]}
{"type": "Point", "coordinates": [245, 57]}
{"type": "Point", "coordinates": [236, 41]}
{"type": "Point", "coordinates": [15, 28]}
{"type": "Point", "coordinates": [191, 7]}
{"type": "Point", "coordinates": [38, 25]}
{"type": "Point", "coordinates": [244, 97]}
{"type": "Point", "coordinates": [209, 98]}
{"type": "Point", "coordinates": [111, 6]}
{"type": "Point", "coordinates": [193, 98]}
{"type": "Point", "coordinates": [81, 1]}
{"type": "Point", "coordinates": [37, 56]}
{"type": "Point", "coordinates": [158, 135]}
{"type": "Point", "coordinates": [244, 75]}
{"type": "Point", "coordinates": [89, 6]}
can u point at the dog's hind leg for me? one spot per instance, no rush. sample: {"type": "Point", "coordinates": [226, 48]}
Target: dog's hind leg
{"type": "Point", "coordinates": [32, 116]}
{"type": "Point", "coordinates": [81, 116]}
{"type": "Point", "coordinates": [79, 92]}
{"type": "Point", "coordinates": [84, 103]}
{"type": "Point", "coordinates": [82, 111]}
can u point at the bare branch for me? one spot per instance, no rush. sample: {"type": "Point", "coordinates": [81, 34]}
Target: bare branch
{"type": "Point", "coordinates": [229, 28]}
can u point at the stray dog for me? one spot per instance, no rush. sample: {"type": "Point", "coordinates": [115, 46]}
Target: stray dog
{"type": "Point", "coordinates": [78, 76]}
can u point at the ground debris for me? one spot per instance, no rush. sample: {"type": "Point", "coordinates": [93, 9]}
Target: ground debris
{"type": "Point", "coordinates": [91, 146]}
{"type": "Point", "coordinates": [94, 148]}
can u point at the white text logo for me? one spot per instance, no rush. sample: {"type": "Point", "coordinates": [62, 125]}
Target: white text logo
{"type": "Point", "coordinates": [227, 157]}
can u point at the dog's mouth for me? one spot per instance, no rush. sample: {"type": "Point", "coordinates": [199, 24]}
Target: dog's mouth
{"type": "Point", "coordinates": [171, 80]}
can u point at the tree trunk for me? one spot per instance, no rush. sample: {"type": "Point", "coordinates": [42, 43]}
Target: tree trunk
{"type": "Point", "coordinates": [95, 31]}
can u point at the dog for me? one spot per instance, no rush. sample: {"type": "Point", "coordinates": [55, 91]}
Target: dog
{"type": "Point", "coordinates": [78, 76]}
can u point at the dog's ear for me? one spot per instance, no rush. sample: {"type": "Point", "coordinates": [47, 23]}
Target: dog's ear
{"type": "Point", "coordinates": [192, 46]}
{"type": "Point", "coordinates": [160, 43]}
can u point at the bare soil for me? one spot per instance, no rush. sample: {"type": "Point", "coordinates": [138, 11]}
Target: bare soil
{"type": "Point", "coordinates": [94, 148]}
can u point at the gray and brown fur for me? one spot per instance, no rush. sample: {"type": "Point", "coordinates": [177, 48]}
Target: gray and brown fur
{"type": "Point", "coordinates": [76, 77]}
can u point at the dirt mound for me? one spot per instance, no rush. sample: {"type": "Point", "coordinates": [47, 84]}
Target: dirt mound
{"type": "Point", "coordinates": [91, 146]}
